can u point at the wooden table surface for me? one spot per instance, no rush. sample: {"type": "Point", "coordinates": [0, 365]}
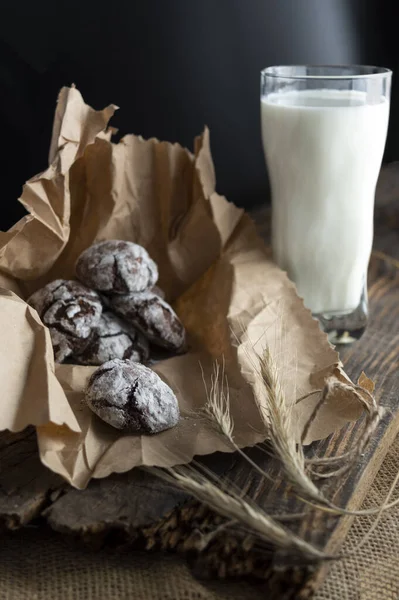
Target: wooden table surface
{"type": "Point", "coordinates": [137, 509]}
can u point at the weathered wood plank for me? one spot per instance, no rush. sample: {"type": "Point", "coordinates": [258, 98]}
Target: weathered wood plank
{"type": "Point", "coordinates": [25, 485]}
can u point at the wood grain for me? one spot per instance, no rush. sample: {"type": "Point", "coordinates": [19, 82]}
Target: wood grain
{"type": "Point", "coordinates": [139, 510]}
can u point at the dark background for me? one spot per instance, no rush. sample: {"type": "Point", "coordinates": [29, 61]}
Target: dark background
{"type": "Point", "coordinates": [173, 66]}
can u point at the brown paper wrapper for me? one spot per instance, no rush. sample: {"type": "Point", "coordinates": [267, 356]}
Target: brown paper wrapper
{"type": "Point", "coordinates": [213, 267]}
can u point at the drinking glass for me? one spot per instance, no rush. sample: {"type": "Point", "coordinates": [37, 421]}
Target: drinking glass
{"type": "Point", "coordinates": [324, 130]}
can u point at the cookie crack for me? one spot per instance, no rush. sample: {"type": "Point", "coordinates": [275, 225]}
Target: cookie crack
{"type": "Point", "coordinates": [50, 302]}
{"type": "Point", "coordinates": [111, 335]}
{"type": "Point", "coordinates": [137, 417]}
{"type": "Point", "coordinates": [58, 327]}
{"type": "Point", "coordinates": [149, 277]}
{"type": "Point", "coordinates": [99, 373]}
{"type": "Point", "coordinates": [58, 287]}
{"type": "Point", "coordinates": [118, 281]}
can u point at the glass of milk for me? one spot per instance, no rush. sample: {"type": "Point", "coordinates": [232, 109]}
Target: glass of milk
{"type": "Point", "coordinates": [324, 130]}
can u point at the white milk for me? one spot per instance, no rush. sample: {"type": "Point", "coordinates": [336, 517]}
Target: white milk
{"type": "Point", "coordinates": [324, 150]}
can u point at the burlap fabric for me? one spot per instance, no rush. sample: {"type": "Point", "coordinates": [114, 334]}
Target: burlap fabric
{"type": "Point", "coordinates": [42, 566]}
{"type": "Point", "coordinates": [372, 573]}
{"type": "Point", "coordinates": [37, 566]}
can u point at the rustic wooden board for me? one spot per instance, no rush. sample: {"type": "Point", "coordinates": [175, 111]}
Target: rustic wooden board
{"type": "Point", "coordinates": [137, 509]}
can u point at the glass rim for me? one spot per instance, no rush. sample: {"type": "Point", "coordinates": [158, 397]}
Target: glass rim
{"type": "Point", "coordinates": [286, 72]}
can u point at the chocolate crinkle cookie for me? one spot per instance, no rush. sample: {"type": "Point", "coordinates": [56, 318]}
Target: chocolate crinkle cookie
{"type": "Point", "coordinates": [117, 267]}
{"type": "Point", "coordinates": [132, 397]}
{"type": "Point", "coordinates": [70, 310]}
{"type": "Point", "coordinates": [113, 338]}
{"type": "Point", "coordinates": [153, 316]}
{"type": "Point", "coordinates": [63, 345]}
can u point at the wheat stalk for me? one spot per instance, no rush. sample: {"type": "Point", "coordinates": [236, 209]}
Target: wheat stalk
{"type": "Point", "coordinates": [373, 411]}
{"type": "Point", "coordinates": [276, 413]}
{"type": "Point", "coordinates": [217, 407]}
{"type": "Point", "coordinates": [217, 410]}
{"type": "Point", "coordinates": [224, 498]}
{"type": "Point", "coordinates": [276, 416]}
{"type": "Point", "coordinates": [237, 509]}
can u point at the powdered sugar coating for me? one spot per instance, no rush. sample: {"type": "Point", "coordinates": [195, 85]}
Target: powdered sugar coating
{"type": "Point", "coordinates": [62, 346]}
{"type": "Point", "coordinates": [117, 267]}
{"type": "Point", "coordinates": [70, 309]}
{"type": "Point", "coordinates": [59, 289]}
{"type": "Point", "coordinates": [153, 316]}
{"type": "Point", "coordinates": [131, 397]}
{"type": "Point", "coordinates": [113, 338]}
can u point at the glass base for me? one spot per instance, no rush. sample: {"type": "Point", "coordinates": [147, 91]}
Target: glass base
{"type": "Point", "coordinates": [343, 327]}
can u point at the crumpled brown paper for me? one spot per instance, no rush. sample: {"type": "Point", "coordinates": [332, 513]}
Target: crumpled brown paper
{"type": "Point", "coordinates": [26, 352]}
{"type": "Point", "coordinates": [213, 266]}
